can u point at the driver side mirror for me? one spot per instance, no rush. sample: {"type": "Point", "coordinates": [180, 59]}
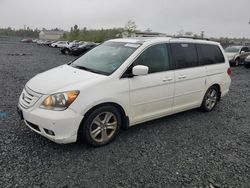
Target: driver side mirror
{"type": "Point", "coordinates": [242, 52]}
{"type": "Point", "coordinates": [140, 70]}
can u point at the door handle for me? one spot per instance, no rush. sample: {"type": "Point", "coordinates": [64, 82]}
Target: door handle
{"type": "Point", "coordinates": [167, 79]}
{"type": "Point", "coordinates": [182, 77]}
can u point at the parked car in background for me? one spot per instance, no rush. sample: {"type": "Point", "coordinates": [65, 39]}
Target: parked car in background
{"type": "Point", "coordinates": [247, 62]}
{"type": "Point", "coordinates": [121, 83]}
{"type": "Point", "coordinates": [67, 49]}
{"type": "Point", "coordinates": [48, 42]}
{"type": "Point", "coordinates": [40, 42]}
{"type": "Point", "coordinates": [60, 44]}
{"type": "Point", "coordinates": [26, 40]}
{"type": "Point", "coordinates": [82, 49]}
{"type": "Point", "coordinates": [237, 54]}
{"type": "Point", "coordinates": [34, 40]}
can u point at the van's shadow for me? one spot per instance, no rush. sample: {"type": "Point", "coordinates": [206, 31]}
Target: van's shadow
{"type": "Point", "coordinates": [137, 132]}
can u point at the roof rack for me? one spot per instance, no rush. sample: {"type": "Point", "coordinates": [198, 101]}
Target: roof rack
{"type": "Point", "coordinates": [178, 37]}
{"type": "Point", "coordinates": [189, 37]}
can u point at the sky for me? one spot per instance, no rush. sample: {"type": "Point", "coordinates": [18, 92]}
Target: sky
{"type": "Point", "coordinates": [218, 18]}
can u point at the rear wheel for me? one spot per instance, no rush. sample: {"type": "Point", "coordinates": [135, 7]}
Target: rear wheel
{"type": "Point", "coordinates": [210, 99]}
{"type": "Point", "coordinates": [101, 126]}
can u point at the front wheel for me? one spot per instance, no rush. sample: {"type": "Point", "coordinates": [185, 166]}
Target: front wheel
{"type": "Point", "coordinates": [210, 99]}
{"type": "Point", "coordinates": [67, 51]}
{"type": "Point", "coordinates": [101, 126]}
{"type": "Point", "coordinates": [237, 62]}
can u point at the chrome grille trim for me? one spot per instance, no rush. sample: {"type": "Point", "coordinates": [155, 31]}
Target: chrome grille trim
{"type": "Point", "coordinates": [28, 98]}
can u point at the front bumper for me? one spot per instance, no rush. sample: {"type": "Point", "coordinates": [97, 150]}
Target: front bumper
{"type": "Point", "coordinates": [247, 62]}
{"type": "Point", "coordinates": [58, 126]}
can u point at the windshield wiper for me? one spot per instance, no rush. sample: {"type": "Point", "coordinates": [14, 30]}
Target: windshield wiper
{"type": "Point", "coordinates": [88, 69]}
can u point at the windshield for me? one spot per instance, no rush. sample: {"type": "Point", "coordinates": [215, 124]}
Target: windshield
{"type": "Point", "coordinates": [232, 49]}
{"type": "Point", "coordinates": [105, 58]}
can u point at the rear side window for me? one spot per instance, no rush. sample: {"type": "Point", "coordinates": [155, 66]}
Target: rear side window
{"type": "Point", "coordinates": [209, 54]}
{"type": "Point", "coordinates": [184, 55]}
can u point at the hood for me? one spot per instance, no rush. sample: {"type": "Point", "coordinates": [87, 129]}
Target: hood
{"type": "Point", "coordinates": [230, 55]}
{"type": "Point", "coordinates": [60, 77]}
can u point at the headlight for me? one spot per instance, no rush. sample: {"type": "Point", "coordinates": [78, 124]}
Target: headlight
{"type": "Point", "coordinates": [59, 101]}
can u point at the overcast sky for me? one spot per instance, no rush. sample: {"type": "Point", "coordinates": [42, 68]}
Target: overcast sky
{"type": "Point", "coordinates": [215, 17]}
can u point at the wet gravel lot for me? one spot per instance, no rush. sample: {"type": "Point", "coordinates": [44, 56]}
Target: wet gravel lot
{"type": "Point", "coordinates": [190, 149]}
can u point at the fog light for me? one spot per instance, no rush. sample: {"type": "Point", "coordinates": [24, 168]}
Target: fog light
{"type": "Point", "coordinates": [49, 132]}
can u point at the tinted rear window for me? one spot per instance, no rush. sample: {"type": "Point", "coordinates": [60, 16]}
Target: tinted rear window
{"type": "Point", "coordinates": [209, 54]}
{"type": "Point", "coordinates": [184, 55]}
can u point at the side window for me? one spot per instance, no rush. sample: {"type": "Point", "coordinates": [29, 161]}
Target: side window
{"type": "Point", "coordinates": [245, 49]}
{"type": "Point", "coordinates": [184, 55]}
{"type": "Point", "coordinates": [155, 57]}
{"type": "Point", "coordinates": [209, 54]}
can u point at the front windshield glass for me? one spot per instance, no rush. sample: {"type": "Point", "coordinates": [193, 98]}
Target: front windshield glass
{"type": "Point", "coordinates": [106, 58]}
{"type": "Point", "coordinates": [232, 49]}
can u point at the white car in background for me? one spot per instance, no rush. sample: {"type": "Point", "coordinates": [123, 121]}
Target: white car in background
{"type": "Point", "coordinates": [121, 83]}
{"type": "Point", "coordinates": [237, 54]}
{"type": "Point", "coordinates": [60, 44]}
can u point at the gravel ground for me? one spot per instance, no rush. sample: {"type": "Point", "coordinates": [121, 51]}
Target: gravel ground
{"type": "Point", "coordinates": [190, 149]}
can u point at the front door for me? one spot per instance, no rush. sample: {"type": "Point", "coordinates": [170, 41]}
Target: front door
{"type": "Point", "coordinates": [151, 95]}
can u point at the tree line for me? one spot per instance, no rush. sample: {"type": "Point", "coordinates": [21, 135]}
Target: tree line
{"type": "Point", "coordinates": [100, 35]}
{"type": "Point", "coordinates": [20, 32]}
{"type": "Point", "coordinates": [96, 35]}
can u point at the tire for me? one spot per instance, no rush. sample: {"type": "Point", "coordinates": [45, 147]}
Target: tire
{"type": "Point", "coordinates": [247, 66]}
{"type": "Point", "coordinates": [101, 126]}
{"type": "Point", "coordinates": [210, 99]}
{"type": "Point", "coordinates": [66, 51]}
{"type": "Point", "coordinates": [237, 62]}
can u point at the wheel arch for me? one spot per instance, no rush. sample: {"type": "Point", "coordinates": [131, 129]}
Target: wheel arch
{"type": "Point", "coordinates": [236, 57]}
{"type": "Point", "coordinates": [219, 89]}
{"type": "Point", "coordinates": [124, 116]}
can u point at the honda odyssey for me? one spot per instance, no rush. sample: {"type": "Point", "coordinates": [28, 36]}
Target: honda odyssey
{"type": "Point", "coordinates": [121, 83]}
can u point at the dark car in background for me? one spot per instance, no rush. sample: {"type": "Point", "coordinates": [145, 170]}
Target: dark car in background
{"type": "Point", "coordinates": [247, 62]}
{"type": "Point", "coordinates": [26, 40]}
{"type": "Point", "coordinates": [67, 49]}
{"type": "Point", "coordinates": [82, 48]}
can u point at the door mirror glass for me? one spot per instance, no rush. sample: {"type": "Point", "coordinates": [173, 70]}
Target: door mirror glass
{"type": "Point", "coordinates": [140, 70]}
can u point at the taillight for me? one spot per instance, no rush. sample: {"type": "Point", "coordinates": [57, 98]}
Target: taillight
{"type": "Point", "coordinates": [229, 72]}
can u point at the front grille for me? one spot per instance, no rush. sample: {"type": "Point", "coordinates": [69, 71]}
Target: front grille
{"type": "Point", "coordinates": [28, 98]}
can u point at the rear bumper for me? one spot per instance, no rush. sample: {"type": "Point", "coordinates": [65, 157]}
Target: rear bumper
{"type": "Point", "coordinates": [58, 126]}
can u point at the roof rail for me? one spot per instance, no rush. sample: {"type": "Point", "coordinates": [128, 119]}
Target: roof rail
{"type": "Point", "coordinates": [172, 36]}
{"type": "Point", "coordinates": [190, 37]}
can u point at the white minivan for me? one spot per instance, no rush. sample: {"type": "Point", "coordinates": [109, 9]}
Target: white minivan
{"type": "Point", "coordinates": [121, 83]}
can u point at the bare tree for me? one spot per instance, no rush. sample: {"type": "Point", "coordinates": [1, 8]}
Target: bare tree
{"type": "Point", "coordinates": [130, 28]}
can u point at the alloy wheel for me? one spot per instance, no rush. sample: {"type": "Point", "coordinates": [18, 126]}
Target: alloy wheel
{"type": "Point", "coordinates": [103, 127]}
{"type": "Point", "coordinates": [211, 99]}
